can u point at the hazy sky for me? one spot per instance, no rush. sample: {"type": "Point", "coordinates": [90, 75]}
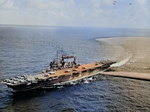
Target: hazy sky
{"type": "Point", "coordinates": [99, 13]}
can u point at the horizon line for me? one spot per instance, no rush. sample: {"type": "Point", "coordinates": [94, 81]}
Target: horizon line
{"type": "Point", "coordinates": [69, 26]}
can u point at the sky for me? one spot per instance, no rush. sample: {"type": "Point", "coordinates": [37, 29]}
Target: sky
{"type": "Point", "coordinates": [95, 13]}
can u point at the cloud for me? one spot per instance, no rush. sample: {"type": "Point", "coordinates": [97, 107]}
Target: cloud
{"type": "Point", "coordinates": [6, 4]}
{"type": "Point", "coordinates": [102, 13]}
{"type": "Point", "coordinates": [49, 4]}
{"type": "Point", "coordinates": [141, 2]}
{"type": "Point", "coordinates": [1, 2]}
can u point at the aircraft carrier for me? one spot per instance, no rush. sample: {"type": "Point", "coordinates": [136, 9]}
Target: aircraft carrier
{"type": "Point", "coordinates": [60, 72]}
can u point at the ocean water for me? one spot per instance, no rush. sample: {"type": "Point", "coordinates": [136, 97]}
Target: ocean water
{"type": "Point", "coordinates": [29, 50]}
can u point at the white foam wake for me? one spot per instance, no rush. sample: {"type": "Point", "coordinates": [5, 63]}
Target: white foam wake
{"type": "Point", "coordinates": [121, 62]}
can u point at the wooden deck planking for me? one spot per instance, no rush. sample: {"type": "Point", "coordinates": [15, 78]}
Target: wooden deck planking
{"type": "Point", "coordinates": [79, 69]}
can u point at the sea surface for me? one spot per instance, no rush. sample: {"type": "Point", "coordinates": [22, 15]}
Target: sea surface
{"type": "Point", "coordinates": [29, 50]}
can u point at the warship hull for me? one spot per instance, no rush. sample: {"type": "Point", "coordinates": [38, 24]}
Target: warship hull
{"type": "Point", "coordinates": [59, 74]}
{"type": "Point", "coordinates": [60, 79]}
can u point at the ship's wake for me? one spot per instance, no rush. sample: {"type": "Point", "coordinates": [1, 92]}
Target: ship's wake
{"type": "Point", "coordinates": [121, 62]}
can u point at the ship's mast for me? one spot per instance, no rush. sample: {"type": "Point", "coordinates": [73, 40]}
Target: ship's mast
{"type": "Point", "coordinates": [57, 56]}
